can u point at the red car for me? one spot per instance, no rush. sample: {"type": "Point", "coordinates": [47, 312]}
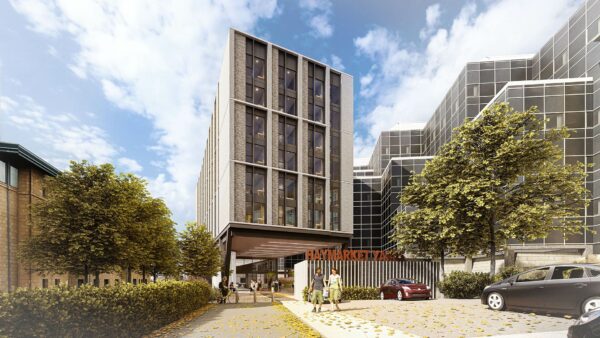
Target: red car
{"type": "Point", "coordinates": [404, 289]}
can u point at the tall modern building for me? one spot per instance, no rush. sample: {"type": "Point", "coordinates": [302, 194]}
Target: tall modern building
{"type": "Point", "coordinates": [275, 179]}
{"type": "Point", "coordinates": [561, 79]}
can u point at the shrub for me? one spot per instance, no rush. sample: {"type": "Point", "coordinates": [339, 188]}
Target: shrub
{"type": "Point", "coordinates": [120, 311]}
{"type": "Point", "coordinates": [352, 293]}
{"type": "Point", "coordinates": [508, 271]}
{"type": "Point", "coordinates": [460, 284]}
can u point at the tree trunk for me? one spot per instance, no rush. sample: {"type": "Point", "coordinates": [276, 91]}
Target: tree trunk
{"type": "Point", "coordinates": [97, 278]}
{"type": "Point", "coordinates": [492, 246]}
{"type": "Point", "coordinates": [86, 273]}
{"type": "Point", "coordinates": [442, 262]}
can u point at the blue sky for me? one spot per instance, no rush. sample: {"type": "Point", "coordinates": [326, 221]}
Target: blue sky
{"type": "Point", "coordinates": [132, 82]}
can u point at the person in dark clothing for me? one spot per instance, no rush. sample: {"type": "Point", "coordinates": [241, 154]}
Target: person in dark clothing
{"type": "Point", "coordinates": [316, 290]}
{"type": "Point", "coordinates": [224, 290]}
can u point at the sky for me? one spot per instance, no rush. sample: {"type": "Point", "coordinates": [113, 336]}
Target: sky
{"type": "Point", "coordinates": [133, 82]}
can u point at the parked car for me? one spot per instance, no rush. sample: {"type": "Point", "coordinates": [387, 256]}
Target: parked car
{"type": "Point", "coordinates": [564, 289]}
{"type": "Point", "coordinates": [404, 289]}
{"type": "Point", "coordinates": [587, 326]}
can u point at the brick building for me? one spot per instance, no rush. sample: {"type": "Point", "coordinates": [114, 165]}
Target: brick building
{"type": "Point", "coordinates": [21, 176]}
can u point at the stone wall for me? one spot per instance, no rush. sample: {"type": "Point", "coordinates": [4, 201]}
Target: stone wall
{"type": "Point", "coordinates": [239, 122]}
{"type": "Point", "coordinates": [531, 259]}
{"type": "Point", "coordinates": [275, 199]}
{"type": "Point", "coordinates": [275, 77]}
{"type": "Point", "coordinates": [239, 60]}
{"type": "Point", "coordinates": [239, 181]}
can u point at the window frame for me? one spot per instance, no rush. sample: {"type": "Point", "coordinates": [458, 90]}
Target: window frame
{"type": "Point", "coordinates": [252, 196]}
{"type": "Point", "coordinates": [284, 203]}
{"type": "Point", "coordinates": [253, 138]}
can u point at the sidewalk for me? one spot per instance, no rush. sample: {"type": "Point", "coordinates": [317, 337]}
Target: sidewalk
{"type": "Point", "coordinates": [244, 320]}
{"type": "Point", "coordinates": [339, 324]}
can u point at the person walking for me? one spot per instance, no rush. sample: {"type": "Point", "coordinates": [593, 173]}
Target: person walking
{"type": "Point", "coordinates": [224, 290]}
{"type": "Point", "coordinates": [335, 288]}
{"type": "Point", "coordinates": [316, 290]}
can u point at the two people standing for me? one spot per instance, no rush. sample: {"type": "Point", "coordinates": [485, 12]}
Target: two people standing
{"type": "Point", "coordinates": [317, 286]}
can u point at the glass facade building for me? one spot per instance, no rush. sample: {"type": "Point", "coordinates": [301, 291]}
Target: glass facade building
{"type": "Point", "coordinates": [562, 79]}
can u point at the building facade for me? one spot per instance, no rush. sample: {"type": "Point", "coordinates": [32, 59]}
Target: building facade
{"type": "Point", "coordinates": [562, 79]}
{"type": "Point", "coordinates": [275, 178]}
{"type": "Point", "coordinates": [21, 176]}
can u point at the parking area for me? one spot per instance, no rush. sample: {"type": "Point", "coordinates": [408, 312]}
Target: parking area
{"type": "Point", "coordinates": [433, 318]}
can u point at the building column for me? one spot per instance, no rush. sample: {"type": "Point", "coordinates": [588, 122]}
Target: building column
{"type": "Point", "coordinates": [270, 140]}
{"type": "Point", "coordinates": [300, 145]}
{"type": "Point", "coordinates": [327, 220]}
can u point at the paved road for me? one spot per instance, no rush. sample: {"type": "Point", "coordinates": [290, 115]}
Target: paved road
{"type": "Point", "coordinates": [244, 320]}
{"type": "Point", "coordinates": [436, 318]}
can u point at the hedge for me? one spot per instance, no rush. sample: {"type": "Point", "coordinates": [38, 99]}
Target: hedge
{"type": "Point", "coordinates": [352, 293]}
{"type": "Point", "coordinates": [460, 284]}
{"type": "Point", "coordinates": [120, 311]}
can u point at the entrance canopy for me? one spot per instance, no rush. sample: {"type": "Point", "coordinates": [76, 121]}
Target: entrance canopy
{"type": "Point", "coordinates": [250, 241]}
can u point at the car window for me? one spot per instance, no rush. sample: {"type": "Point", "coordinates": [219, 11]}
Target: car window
{"type": "Point", "coordinates": [533, 275]}
{"type": "Point", "coordinates": [406, 281]}
{"type": "Point", "coordinates": [594, 272]}
{"type": "Point", "coordinates": [391, 282]}
{"type": "Point", "coordinates": [567, 272]}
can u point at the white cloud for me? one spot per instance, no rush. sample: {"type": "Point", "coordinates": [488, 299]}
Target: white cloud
{"type": "Point", "coordinates": [408, 84]}
{"type": "Point", "coordinates": [58, 137]}
{"type": "Point", "coordinates": [160, 60]}
{"type": "Point", "coordinates": [318, 16]}
{"type": "Point", "coordinates": [130, 164]}
{"type": "Point", "coordinates": [336, 62]}
{"type": "Point", "coordinates": [432, 18]}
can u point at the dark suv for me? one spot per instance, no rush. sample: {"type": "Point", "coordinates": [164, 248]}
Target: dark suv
{"type": "Point", "coordinates": [568, 288]}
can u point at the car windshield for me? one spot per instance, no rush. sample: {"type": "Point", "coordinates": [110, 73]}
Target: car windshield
{"type": "Point", "coordinates": [594, 272]}
{"type": "Point", "coordinates": [406, 281]}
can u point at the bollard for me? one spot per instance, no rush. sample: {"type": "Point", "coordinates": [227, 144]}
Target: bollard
{"type": "Point", "coordinates": [237, 297]}
{"type": "Point", "coordinates": [254, 293]}
{"type": "Point", "coordinates": [272, 294]}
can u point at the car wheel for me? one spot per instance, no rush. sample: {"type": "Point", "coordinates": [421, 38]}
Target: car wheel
{"type": "Point", "coordinates": [591, 304]}
{"type": "Point", "coordinates": [381, 295]}
{"type": "Point", "coordinates": [399, 295]}
{"type": "Point", "coordinates": [495, 301]}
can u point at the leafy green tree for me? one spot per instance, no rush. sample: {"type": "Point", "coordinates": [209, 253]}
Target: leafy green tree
{"type": "Point", "coordinates": [200, 255]}
{"type": "Point", "coordinates": [500, 177]}
{"type": "Point", "coordinates": [93, 220]}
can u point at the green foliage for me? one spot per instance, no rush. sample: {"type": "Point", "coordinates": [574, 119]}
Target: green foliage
{"type": "Point", "coordinates": [200, 255]}
{"type": "Point", "coordinates": [508, 271]}
{"type": "Point", "coordinates": [500, 177]}
{"type": "Point", "coordinates": [93, 220]}
{"type": "Point", "coordinates": [120, 311]}
{"type": "Point", "coordinates": [351, 293]}
{"type": "Point", "coordinates": [464, 285]}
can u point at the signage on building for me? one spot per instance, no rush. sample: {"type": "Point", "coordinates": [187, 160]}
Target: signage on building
{"type": "Point", "coordinates": [352, 255]}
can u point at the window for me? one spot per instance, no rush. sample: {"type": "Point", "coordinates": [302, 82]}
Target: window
{"type": "Point", "coordinates": [316, 206]}
{"type": "Point", "coordinates": [316, 153]}
{"type": "Point", "coordinates": [134, 281]}
{"type": "Point", "coordinates": [256, 124]}
{"type": "Point", "coordinates": [56, 281]}
{"type": "Point", "coordinates": [334, 89]}
{"type": "Point", "coordinates": [106, 282]}
{"type": "Point", "coordinates": [287, 185]}
{"type": "Point", "coordinates": [288, 65]}
{"type": "Point", "coordinates": [2, 172]}
{"type": "Point", "coordinates": [567, 272]}
{"type": "Point", "coordinates": [533, 275]}
{"type": "Point", "coordinates": [117, 281]}
{"type": "Point", "coordinates": [594, 272]}
{"type": "Point", "coordinates": [287, 146]}
{"type": "Point", "coordinates": [255, 195]}
{"type": "Point", "coordinates": [316, 101]}
{"type": "Point", "coordinates": [13, 177]}
{"type": "Point", "coordinates": [80, 282]}
{"type": "Point", "coordinates": [45, 283]}
{"type": "Point", "coordinates": [256, 54]}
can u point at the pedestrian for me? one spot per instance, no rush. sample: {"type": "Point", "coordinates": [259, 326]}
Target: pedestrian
{"type": "Point", "coordinates": [335, 288]}
{"type": "Point", "coordinates": [316, 290]}
{"type": "Point", "coordinates": [232, 287]}
{"type": "Point", "coordinates": [253, 285]}
{"type": "Point", "coordinates": [259, 285]}
{"type": "Point", "coordinates": [224, 290]}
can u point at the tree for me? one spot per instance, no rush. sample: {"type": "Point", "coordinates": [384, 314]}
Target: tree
{"type": "Point", "coordinates": [200, 255]}
{"type": "Point", "coordinates": [94, 221]}
{"type": "Point", "coordinates": [500, 177]}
